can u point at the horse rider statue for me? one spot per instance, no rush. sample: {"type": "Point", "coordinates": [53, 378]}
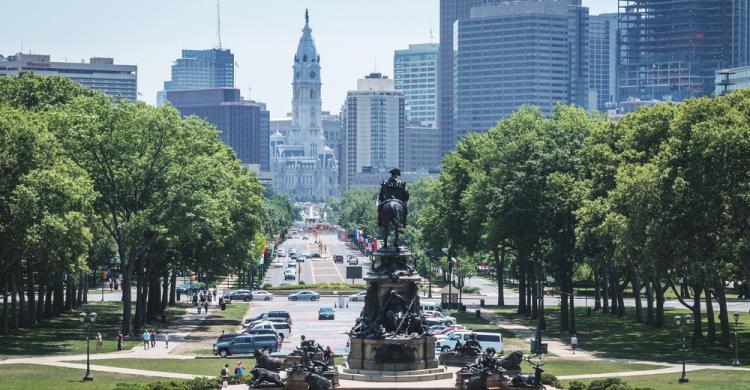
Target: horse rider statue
{"type": "Point", "coordinates": [392, 211]}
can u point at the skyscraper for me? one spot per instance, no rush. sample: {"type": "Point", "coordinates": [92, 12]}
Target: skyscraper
{"type": "Point", "coordinates": [374, 119]}
{"type": "Point", "coordinates": [450, 12]}
{"type": "Point", "coordinates": [670, 50]}
{"type": "Point", "coordinates": [100, 74]}
{"type": "Point", "coordinates": [415, 73]}
{"type": "Point", "coordinates": [511, 54]}
{"type": "Point", "coordinates": [305, 168]}
{"type": "Point", "coordinates": [243, 124]}
{"type": "Point", "coordinates": [198, 69]}
{"type": "Point", "coordinates": [602, 61]}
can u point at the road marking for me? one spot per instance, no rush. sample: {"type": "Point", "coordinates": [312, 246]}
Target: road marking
{"type": "Point", "coordinates": [312, 271]}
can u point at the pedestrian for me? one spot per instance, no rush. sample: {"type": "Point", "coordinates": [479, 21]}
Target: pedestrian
{"type": "Point", "coordinates": [239, 371]}
{"type": "Point", "coordinates": [574, 343]}
{"type": "Point", "coordinates": [98, 342]}
{"type": "Point", "coordinates": [225, 376]}
{"type": "Point", "coordinates": [146, 339]}
{"type": "Point", "coordinates": [152, 338]}
{"type": "Point", "coordinates": [195, 299]}
{"type": "Point", "coordinates": [328, 355]}
{"type": "Point", "coordinates": [120, 339]}
{"type": "Point", "coordinates": [166, 340]}
{"type": "Point", "coordinates": [205, 307]}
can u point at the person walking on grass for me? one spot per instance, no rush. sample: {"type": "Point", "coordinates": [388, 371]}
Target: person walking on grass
{"type": "Point", "coordinates": [120, 340]}
{"type": "Point", "coordinates": [239, 371]}
{"type": "Point", "coordinates": [225, 376]}
{"type": "Point", "coordinates": [166, 340]}
{"type": "Point", "coordinates": [152, 338]}
{"type": "Point", "coordinates": [98, 342]}
{"type": "Point", "coordinates": [146, 339]}
{"type": "Point", "coordinates": [574, 343]}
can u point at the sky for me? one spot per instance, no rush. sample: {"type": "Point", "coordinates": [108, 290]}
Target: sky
{"type": "Point", "coordinates": [353, 37]}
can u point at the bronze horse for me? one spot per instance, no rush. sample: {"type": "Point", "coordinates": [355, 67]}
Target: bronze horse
{"type": "Point", "coordinates": [392, 216]}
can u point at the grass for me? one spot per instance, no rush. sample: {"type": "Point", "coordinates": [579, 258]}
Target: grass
{"type": "Point", "coordinates": [608, 336]}
{"type": "Point", "coordinates": [65, 335]}
{"type": "Point", "coordinates": [209, 367]}
{"type": "Point", "coordinates": [559, 367]}
{"type": "Point", "coordinates": [23, 377]}
{"type": "Point", "coordinates": [699, 380]}
{"type": "Point", "coordinates": [236, 311]}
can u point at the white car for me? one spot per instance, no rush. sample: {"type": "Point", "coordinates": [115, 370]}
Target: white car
{"type": "Point", "coordinates": [360, 296]}
{"type": "Point", "coordinates": [283, 329]}
{"type": "Point", "coordinates": [277, 263]}
{"type": "Point", "coordinates": [486, 340]}
{"type": "Point", "coordinates": [290, 273]}
{"type": "Point", "coordinates": [447, 320]}
{"type": "Point", "coordinates": [292, 263]}
{"type": "Point", "coordinates": [281, 253]}
{"type": "Point", "coordinates": [261, 295]}
{"type": "Point", "coordinates": [292, 251]}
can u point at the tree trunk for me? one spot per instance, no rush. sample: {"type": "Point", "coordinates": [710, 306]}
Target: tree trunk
{"type": "Point", "coordinates": [597, 291]}
{"type": "Point", "coordinates": [572, 328]}
{"type": "Point", "coordinates": [614, 285]}
{"type": "Point", "coordinates": [48, 298]}
{"type": "Point", "coordinates": [40, 301]}
{"type": "Point", "coordinates": [58, 306]}
{"type": "Point", "coordinates": [621, 301]}
{"type": "Point", "coordinates": [85, 287]}
{"type": "Point", "coordinates": [30, 297]}
{"type": "Point", "coordinates": [565, 292]}
{"type": "Point", "coordinates": [21, 300]}
{"type": "Point", "coordinates": [697, 325]}
{"type": "Point", "coordinates": [605, 290]}
{"type": "Point", "coordinates": [173, 288]}
{"type": "Point", "coordinates": [659, 290]}
{"type": "Point", "coordinates": [534, 296]}
{"type": "Point", "coordinates": [13, 311]}
{"type": "Point", "coordinates": [127, 299]}
{"type": "Point", "coordinates": [636, 292]}
{"type": "Point", "coordinates": [79, 293]}
{"type": "Point", "coordinates": [164, 293]}
{"type": "Point", "coordinates": [721, 298]}
{"type": "Point", "coordinates": [710, 323]}
{"type": "Point", "coordinates": [140, 288]}
{"type": "Point", "coordinates": [4, 319]}
{"type": "Point", "coordinates": [521, 269]}
{"type": "Point", "coordinates": [499, 255]}
{"type": "Point", "coordinates": [650, 319]}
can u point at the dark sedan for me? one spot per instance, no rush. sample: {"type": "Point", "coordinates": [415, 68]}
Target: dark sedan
{"type": "Point", "coordinates": [326, 313]}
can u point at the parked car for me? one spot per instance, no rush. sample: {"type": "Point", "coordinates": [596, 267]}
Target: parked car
{"type": "Point", "coordinates": [338, 258]}
{"type": "Point", "coordinates": [431, 306]}
{"type": "Point", "coordinates": [434, 329]}
{"type": "Point", "coordinates": [226, 337]}
{"type": "Point", "coordinates": [290, 273]}
{"type": "Point", "coordinates": [360, 296]}
{"type": "Point", "coordinates": [486, 340]}
{"type": "Point", "coordinates": [261, 295]}
{"type": "Point", "coordinates": [353, 260]}
{"type": "Point", "coordinates": [292, 263]}
{"type": "Point", "coordinates": [283, 329]}
{"type": "Point", "coordinates": [304, 296]}
{"type": "Point", "coordinates": [282, 314]}
{"type": "Point", "coordinates": [281, 253]}
{"type": "Point", "coordinates": [292, 251]}
{"type": "Point", "coordinates": [278, 263]}
{"type": "Point", "coordinates": [315, 255]}
{"type": "Point", "coordinates": [245, 344]}
{"type": "Point", "coordinates": [447, 320]}
{"type": "Point", "coordinates": [241, 295]}
{"type": "Point", "coordinates": [448, 329]}
{"type": "Point", "coordinates": [272, 332]}
{"type": "Point", "coordinates": [187, 288]}
{"type": "Point", "coordinates": [301, 258]}
{"type": "Point", "coordinates": [305, 237]}
{"type": "Point", "coordinates": [326, 313]}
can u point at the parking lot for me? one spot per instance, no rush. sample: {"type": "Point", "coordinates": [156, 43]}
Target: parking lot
{"type": "Point", "coordinates": [305, 321]}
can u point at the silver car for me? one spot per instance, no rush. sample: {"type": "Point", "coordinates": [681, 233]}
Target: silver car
{"type": "Point", "coordinates": [304, 296]}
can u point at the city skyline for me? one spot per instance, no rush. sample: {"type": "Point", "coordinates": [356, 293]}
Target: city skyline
{"type": "Point", "coordinates": [152, 34]}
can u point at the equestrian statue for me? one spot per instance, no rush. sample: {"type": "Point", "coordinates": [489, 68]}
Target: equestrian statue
{"type": "Point", "coordinates": [392, 209]}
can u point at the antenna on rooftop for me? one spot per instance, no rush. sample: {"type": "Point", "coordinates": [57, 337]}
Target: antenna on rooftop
{"type": "Point", "coordinates": [218, 22]}
{"type": "Point", "coordinates": [431, 37]}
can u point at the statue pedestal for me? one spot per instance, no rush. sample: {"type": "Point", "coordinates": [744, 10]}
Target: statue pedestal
{"type": "Point", "coordinates": [451, 359]}
{"type": "Point", "coordinates": [392, 354]}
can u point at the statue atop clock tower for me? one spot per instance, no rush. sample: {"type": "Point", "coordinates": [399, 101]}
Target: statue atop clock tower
{"type": "Point", "coordinates": [306, 104]}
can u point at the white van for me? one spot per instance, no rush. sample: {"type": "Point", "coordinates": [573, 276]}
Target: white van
{"type": "Point", "coordinates": [486, 340]}
{"type": "Point", "coordinates": [283, 329]}
{"type": "Point", "coordinates": [430, 306]}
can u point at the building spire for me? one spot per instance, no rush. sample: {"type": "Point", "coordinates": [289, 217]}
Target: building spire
{"type": "Point", "coordinates": [307, 17]}
{"type": "Point", "coordinates": [218, 23]}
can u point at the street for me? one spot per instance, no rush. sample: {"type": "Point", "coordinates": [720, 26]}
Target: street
{"type": "Point", "coordinates": [321, 269]}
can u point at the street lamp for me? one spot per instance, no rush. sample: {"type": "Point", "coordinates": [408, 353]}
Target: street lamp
{"type": "Point", "coordinates": [683, 321]}
{"type": "Point", "coordinates": [736, 362]}
{"type": "Point", "coordinates": [87, 320]}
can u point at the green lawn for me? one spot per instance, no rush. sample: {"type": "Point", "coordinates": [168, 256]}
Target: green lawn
{"type": "Point", "coordinates": [65, 335]}
{"type": "Point", "coordinates": [209, 367]}
{"type": "Point", "coordinates": [236, 311]}
{"type": "Point", "coordinates": [609, 336]}
{"type": "Point", "coordinates": [24, 377]}
{"type": "Point", "coordinates": [699, 380]}
{"type": "Point", "coordinates": [560, 367]}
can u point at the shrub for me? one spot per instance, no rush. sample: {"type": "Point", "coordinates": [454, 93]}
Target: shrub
{"type": "Point", "coordinates": [576, 385]}
{"type": "Point", "coordinates": [301, 282]}
{"type": "Point", "coordinates": [199, 383]}
{"type": "Point", "coordinates": [549, 379]}
{"type": "Point", "coordinates": [606, 384]}
{"type": "Point", "coordinates": [470, 289]}
{"type": "Point", "coordinates": [267, 286]}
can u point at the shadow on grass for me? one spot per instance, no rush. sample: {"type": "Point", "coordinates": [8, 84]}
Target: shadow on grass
{"type": "Point", "coordinates": [608, 336]}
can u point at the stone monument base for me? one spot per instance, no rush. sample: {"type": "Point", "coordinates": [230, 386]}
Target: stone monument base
{"type": "Point", "coordinates": [451, 359]}
{"type": "Point", "coordinates": [392, 354]}
{"type": "Point", "coordinates": [295, 379]}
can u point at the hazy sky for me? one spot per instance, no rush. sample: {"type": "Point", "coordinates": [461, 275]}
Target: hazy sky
{"type": "Point", "coordinates": [353, 37]}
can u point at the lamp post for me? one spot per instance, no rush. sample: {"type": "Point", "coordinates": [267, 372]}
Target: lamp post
{"type": "Point", "coordinates": [736, 362]}
{"type": "Point", "coordinates": [683, 321]}
{"type": "Point", "coordinates": [87, 320]}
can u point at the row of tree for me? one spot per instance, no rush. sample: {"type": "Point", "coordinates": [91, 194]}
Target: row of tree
{"type": "Point", "coordinates": [658, 201]}
{"type": "Point", "coordinates": [85, 180]}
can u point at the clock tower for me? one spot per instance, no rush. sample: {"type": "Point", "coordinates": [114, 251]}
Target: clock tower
{"type": "Point", "coordinates": [306, 128]}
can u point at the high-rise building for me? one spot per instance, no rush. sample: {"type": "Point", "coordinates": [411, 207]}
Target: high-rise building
{"type": "Point", "coordinates": [243, 124]}
{"type": "Point", "coordinates": [602, 61]}
{"type": "Point", "coordinates": [728, 80]}
{"type": "Point", "coordinates": [415, 73]}
{"type": "Point", "coordinates": [304, 167]}
{"type": "Point", "coordinates": [421, 148]}
{"type": "Point", "coordinates": [374, 118]}
{"type": "Point", "coordinates": [100, 74]}
{"type": "Point", "coordinates": [511, 54]}
{"type": "Point", "coordinates": [199, 69]}
{"type": "Point", "coordinates": [450, 12]}
{"type": "Point", "coordinates": [670, 50]}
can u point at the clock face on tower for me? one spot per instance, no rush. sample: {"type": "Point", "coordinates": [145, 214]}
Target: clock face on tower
{"type": "Point", "coordinates": [313, 74]}
{"type": "Point", "coordinates": [297, 74]}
